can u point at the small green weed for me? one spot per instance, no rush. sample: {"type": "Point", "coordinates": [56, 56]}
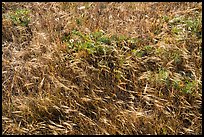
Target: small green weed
{"type": "Point", "coordinates": [189, 86]}
{"type": "Point", "coordinates": [94, 43]}
{"type": "Point", "coordinates": [78, 21]}
{"type": "Point", "coordinates": [176, 30]}
{"type": "Point", "coordinates": [194, 26]}
{"type": "Point", "coordinates": [20, 17]}
{"type": "Point", "coordinates": [146, 50]}
{"type": "Point", "coordinates": [166, 18]}
{"type": "Point", "coordinates": [162, 76]}
{"type": "Point", "coordinates": [177, 84]}
{"type": "Point", "coordinates": [184, 86]}
{"type": "Point", "coordinates": [177, 57]}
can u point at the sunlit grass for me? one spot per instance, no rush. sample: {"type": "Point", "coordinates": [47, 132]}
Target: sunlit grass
{"type": "Point", "coordinates": [101, 68]}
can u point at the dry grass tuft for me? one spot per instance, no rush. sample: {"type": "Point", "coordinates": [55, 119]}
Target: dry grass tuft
{"type": "Point", "coordinates": [101, 68]}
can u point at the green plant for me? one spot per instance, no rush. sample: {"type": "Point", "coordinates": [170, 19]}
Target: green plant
{"type": "Point", "coordinates": [20, 17]}
{"type": "Point", "coordinates": [176, 30]}
{"type": "Point", "coordinates": [176, 21]}
{"type": "Point", "coordinates": [122, 38]}
{"type": "Point", "coordinates": [105, 40]}
{"type": "Point", "coordinates": [138, 53]}
{"type": "Point", "coordinates": [194, 24]}
{"type": "Point", "coordinates": [189, 86]}
{"type": "Point", "coordinates": [162, 76]}
{"type": "Point", "coordinates": [97, 34]}
{"type": "Point", "coordinates": [78, 21]}
{"type": "Point", "coordinates": [177, 84]}
{"type": "Point", "coordinates": [166, 18]}
{"type": "Point", "coordinates": [94, 43]}
{"type": "Point", "coordinates": [146, 50]}
{"type": "Point", "coordinates": [176, 57]}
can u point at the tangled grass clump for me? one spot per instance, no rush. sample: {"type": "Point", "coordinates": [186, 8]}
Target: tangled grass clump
{"type": "Point", "coordinates": [101, 68]}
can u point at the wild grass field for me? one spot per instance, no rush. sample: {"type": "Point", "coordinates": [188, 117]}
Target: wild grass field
{"type": "Point", "coordinates": [92, 68]}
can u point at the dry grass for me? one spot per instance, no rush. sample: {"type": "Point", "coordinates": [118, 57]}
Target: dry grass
{"type": "Point", "coordinates": [101, 68]}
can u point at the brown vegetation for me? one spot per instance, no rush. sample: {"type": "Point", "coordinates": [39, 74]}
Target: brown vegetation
{"type": "Point", "coordinates": [101, 68]}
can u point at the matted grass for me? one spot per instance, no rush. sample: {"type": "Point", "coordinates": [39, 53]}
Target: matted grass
{"type": "Point", "coordinates": [101, 68]}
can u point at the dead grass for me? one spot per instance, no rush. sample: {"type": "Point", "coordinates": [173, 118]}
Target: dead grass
{"type": "Point", "coordinates": [101, 68]}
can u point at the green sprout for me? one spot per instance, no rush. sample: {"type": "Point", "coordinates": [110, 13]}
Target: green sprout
{"type": "Point", "coordinates": [166, 18]}
{"type": "Point", "coordinates": [162, 76]}
{"type": "Point", "coordinates": [78, 21]}
{"type": "Point", "coordinates": [20, 17]}
{"type": "Point", "coordinates": [189, 87]}
{"type": "Point", "coordinates": [176, 30]}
